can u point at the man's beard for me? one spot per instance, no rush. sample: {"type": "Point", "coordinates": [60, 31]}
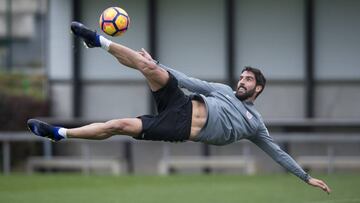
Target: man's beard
{"type": "Point", "coordinates": [246, 95]}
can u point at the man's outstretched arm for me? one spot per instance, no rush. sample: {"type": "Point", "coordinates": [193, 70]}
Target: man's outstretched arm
{"type": "Point", "coordinates": [267, 144]}
{"type": "Point", "coordinates": [320, 184]}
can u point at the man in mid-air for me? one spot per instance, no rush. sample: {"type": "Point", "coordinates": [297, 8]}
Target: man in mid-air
{"type": "Point", "coordinates": [213, 114]}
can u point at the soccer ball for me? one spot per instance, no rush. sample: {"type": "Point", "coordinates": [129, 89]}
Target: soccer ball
{"type": "Point", "coordinates": [114, 21]}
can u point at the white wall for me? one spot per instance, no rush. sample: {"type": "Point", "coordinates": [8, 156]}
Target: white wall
{"type": "Point", "coordinates": [60, 40]}
{"type": "Point", "coordinates": [338, 101]}
{"type": "Point", "coordinates": [115, 101]}
{"type": "Point", "coordinates": [337, 41]}
{"type": "Point", "coordinates": [60, 56]}
{"type": "Point", "coordinates": [192, 38]}
{"type": "Point", "coordinates": [270, 36]}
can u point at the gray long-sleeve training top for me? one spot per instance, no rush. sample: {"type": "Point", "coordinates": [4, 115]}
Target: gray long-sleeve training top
{"type": "Point", "coordinates": [230, 120]}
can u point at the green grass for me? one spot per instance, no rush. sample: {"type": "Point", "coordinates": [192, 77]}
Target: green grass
{"type": "Point", "coordinates": [173, 189]}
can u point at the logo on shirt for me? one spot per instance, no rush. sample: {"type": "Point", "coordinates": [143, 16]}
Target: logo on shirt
{"type": "Point", "coordinates": [249, 115]}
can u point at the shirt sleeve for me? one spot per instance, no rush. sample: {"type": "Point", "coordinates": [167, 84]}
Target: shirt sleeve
{"type": "Point", "coordinates": [267, 144]}
{"type": "Point", "coordinates": [195, 85]}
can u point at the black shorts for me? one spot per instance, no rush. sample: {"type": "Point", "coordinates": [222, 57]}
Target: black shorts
{"type": "Point", "coordinates": [173, 121]}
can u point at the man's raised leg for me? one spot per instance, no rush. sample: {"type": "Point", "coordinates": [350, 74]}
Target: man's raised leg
{"type": "Point", "coordinates": [156, 76]}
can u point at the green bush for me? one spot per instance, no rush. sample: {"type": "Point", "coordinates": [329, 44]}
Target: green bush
{"type": "Point", "coordinates": [21, 97]}
{"type": "Point", "coordinates": [18, 84]}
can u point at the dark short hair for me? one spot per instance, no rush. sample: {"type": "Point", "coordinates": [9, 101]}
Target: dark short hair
{"type": "Point", "coordinates": [259, 77]}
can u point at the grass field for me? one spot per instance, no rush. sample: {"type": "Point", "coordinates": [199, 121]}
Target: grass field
{"type": "Point", "coordinates": [174, 189]}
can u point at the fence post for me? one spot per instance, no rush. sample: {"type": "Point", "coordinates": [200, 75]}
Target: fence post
{"type": "Point", "coordinates": [6, 158]}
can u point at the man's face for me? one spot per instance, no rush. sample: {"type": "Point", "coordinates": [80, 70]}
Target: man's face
{"type": "Point", "coordinates": [246, 87]}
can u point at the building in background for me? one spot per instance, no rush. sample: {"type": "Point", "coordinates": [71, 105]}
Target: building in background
{"type": "Point", "coordinates": [23, 41]}
{"type": "Point", "coordinates": [308, 49]}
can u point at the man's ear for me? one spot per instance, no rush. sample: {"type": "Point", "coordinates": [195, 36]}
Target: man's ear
{"type": "Point", "coordinates": [258, 88]}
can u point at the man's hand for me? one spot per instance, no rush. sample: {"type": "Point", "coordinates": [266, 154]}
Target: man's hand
{"type": "Point", "coordinates": [320, 184]}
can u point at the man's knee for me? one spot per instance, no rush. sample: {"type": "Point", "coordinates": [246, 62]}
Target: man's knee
{"type": "Point", "coordinates": [146, 67]}
{"type": "Point", "coordinates": [123, 126]}
{"type": "Point", "coordinates": [116, 125]}
{"type": "Point", "coordinates": [156, 77]}
{"type": "Point", "coordinates": [151, 70]}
